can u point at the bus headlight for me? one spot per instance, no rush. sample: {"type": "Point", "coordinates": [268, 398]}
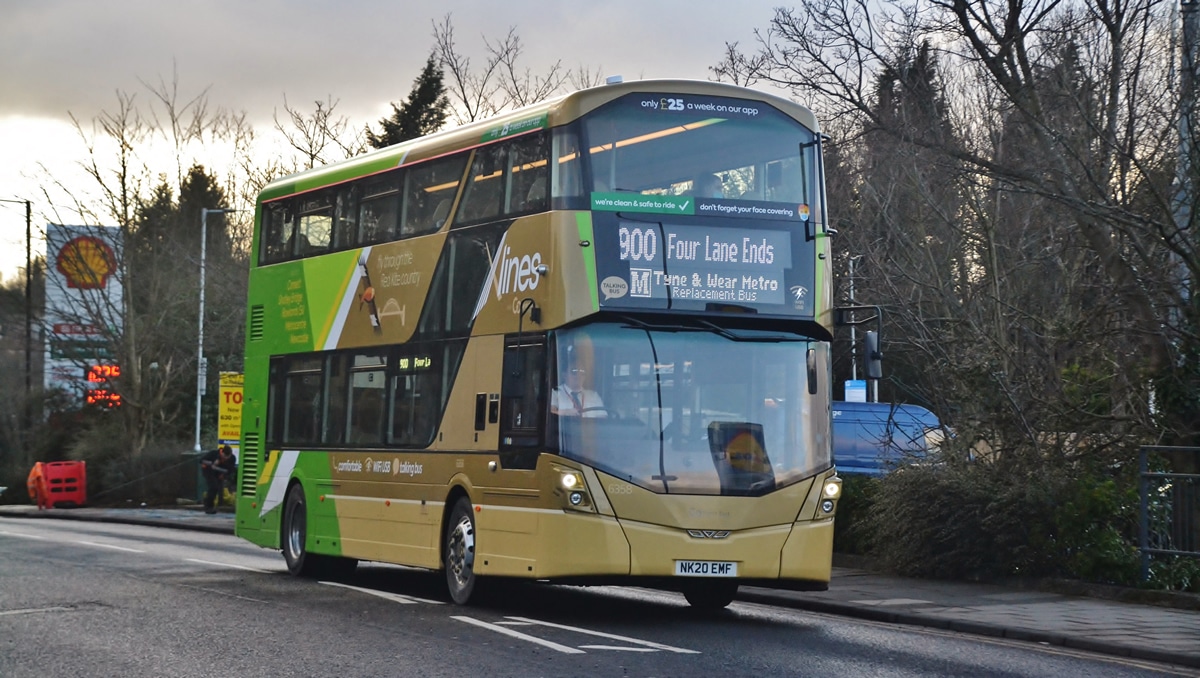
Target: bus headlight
{"type": "Point", "coordinates": [833, 489]}
{"type": "Point", "coordinates": [827, 505]}
{"type": "Point", "coordinates": [572, 489]}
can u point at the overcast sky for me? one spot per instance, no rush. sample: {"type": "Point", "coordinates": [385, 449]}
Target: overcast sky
{"type": "Point", "coordinates": [61, 57]}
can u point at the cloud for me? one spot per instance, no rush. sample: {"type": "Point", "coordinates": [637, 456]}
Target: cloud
{"type": "Point", "coordinates": [73, 55]}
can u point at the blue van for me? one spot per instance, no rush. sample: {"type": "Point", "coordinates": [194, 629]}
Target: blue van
{"type": "Point", "coordinates": [874, 438]}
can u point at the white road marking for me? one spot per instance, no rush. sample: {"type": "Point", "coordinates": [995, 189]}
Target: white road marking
{"type": "Point", "coordinates": [35, 610]}
{"type": "Point", "coordinates": [18, 534]}
{"type": "Point", "coordinates": [610, 636]}
{"type": "Point", "coordinates": [515, 623]}
{"type": "Point", "coordinates": [394, 597]}
{"type": "Point", "coordinates": [221, 593]}
{"type": "Point", "coordinates": [892, 601]}
{"type": "Point", "coordinates": [236, 567]}
{"type": "Point", "coordinates": [517, 634]}
{"type": "Point", "coordinates": [618, 648]}
{"type": "Point", "coordinates": [110, 546]}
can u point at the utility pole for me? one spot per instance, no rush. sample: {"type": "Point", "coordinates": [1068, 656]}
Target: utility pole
{"type": "Point", "coordinates": [1185, 170]}
{"type": "Point", "coordinates": [28, 314]}
{"type": "Point", "coordinates": [28, 308]}
{"type": "Point", "coordinates": [853, 332]}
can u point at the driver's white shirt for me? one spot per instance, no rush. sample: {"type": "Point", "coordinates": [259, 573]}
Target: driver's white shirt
{"type": "Point", "coordinates": [588, 399]}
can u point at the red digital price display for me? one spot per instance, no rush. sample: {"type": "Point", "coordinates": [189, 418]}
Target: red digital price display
{"type": "Point", "coordinates": [102, 373]}
{"type": "Point", "coordinates": [98, 377]}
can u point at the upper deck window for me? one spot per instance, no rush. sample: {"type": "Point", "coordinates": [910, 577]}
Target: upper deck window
{"type": "Point", "coordinates": [396, 204]}
{"type": "Point", "coordinates": [708, 147]}
{"type": "Point", "coordinates": [429, 193]}
{"type": "Point", "coordinates": [278, 231]}
{"type": "Point", "coordinates": [379, 208]}
{"type": "Point", "coordinates": [506, 179]}
{"type": "Point", "coordinates": [315, 229]}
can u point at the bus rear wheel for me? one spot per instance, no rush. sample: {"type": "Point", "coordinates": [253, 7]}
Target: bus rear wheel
{"type": "Point", "coordinates": [295, 530]}
{"type": "Point", "coordinates": [710, 595]}
{"type": "Point", "coordinates": [460, 552]}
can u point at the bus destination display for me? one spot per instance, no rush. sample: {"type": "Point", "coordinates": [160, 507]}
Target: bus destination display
{"type": "Point", "coordinates": [702, 263]}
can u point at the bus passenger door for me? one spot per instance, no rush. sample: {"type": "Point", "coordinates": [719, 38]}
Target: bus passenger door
{"type": "Point", "coordinates": [506, 541]}
{"type": "Point", "coordinates": [522, 401]}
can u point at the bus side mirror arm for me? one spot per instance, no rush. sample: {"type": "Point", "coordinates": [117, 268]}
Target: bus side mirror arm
{"type": "Point", "coordinates": [845, 316]}
{"type": "Point", "coordinates": [528, 307]}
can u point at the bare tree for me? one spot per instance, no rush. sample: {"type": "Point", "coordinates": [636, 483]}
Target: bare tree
{"type": "Point", "coordinates": [501, 83]}
{"type": "Point", "coordinates": [1064, 126]}
{"type": "Point", "coordinates": [582, 77]}
{"type": "Point", "coordinates": [157, 214]}
{"type": "Point", "coordinates": [320, 137]}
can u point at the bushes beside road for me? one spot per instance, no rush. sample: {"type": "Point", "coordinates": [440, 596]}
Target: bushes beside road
{"type": "Point", "coordinates": [987, 521]}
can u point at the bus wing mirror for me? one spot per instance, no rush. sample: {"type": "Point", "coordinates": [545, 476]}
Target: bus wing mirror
{"type": "Point", "coordinates": [873, 356]}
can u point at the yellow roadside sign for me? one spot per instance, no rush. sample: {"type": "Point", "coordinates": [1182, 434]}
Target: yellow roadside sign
{"type": "Point", "coordinates": [229, 409]}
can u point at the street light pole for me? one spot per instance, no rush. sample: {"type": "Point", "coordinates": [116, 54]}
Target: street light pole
{"type": "Point", "coordinates": [201, 363]}
{"type": "Point", "coordinates": [28, 313]}
{"type": "Point", "coordinates": [853, 333]}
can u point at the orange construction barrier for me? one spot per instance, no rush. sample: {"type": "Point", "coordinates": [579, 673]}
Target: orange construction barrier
{"type": "Point", "coordinates": [66, 482]}
{"type": "Point", "coordinates": [36, 484]}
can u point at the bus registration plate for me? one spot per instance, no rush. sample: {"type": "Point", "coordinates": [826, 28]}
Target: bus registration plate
{"type": "Point", "coordinates": [705, 568]}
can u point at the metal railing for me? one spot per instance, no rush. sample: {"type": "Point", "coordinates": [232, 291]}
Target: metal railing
{"type": "Point", "coordinates": [1169, 510]}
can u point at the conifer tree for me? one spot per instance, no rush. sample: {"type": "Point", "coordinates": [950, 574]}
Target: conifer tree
{"type": "Point", "coordinates": [424, 111]}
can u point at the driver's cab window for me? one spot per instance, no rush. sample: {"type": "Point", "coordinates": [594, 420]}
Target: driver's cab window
{"type": "Point", "coordinates": [578, 371]}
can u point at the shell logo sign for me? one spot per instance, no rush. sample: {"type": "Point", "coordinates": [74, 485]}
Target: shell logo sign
{"type": "Point", "coordinates": [87, 262]}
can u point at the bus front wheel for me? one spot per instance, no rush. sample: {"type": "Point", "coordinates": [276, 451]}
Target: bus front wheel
{"type": "Point", "coordinates": [460, 552]}
{"type": "Point", "coordinates": [710, 595]}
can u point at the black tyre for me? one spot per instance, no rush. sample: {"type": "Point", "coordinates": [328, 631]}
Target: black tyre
{"type": "Point", "coordinates": [300, 562]}
{"type": "Point", "coordinates": [710, 595]}
{"type": "Point", "coordinates": [295, 531]}
{"type": "Point", "coordinates": [459, 556]}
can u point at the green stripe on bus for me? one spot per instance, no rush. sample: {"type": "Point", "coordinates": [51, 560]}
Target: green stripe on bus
{"type": "Point", "coordinates": [324, 301]}
{"type": "Point", "coordinates": [333, 174]}
{"type": "Point", "coordinates": [583, 220]}
{"type": "Point", "coordinates": [515, 127]}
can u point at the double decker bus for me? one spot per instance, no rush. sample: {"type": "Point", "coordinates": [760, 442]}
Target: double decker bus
{"type": "Point", "coordinates": [585, 342]}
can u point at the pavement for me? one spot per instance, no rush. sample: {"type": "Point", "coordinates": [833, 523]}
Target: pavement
{"type": "Point", "coordinates": [1147, 625]}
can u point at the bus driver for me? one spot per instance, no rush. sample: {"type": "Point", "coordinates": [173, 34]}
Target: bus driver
{"type": "Point", "coordinates": [572, 399]}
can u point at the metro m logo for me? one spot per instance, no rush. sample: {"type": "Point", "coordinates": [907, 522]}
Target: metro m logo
{"type": "Point", "coordinates": [639, 282]}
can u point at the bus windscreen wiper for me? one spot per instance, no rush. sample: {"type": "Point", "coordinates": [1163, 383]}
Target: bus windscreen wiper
{"type": "Point", "coordinates": [732, 336]}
